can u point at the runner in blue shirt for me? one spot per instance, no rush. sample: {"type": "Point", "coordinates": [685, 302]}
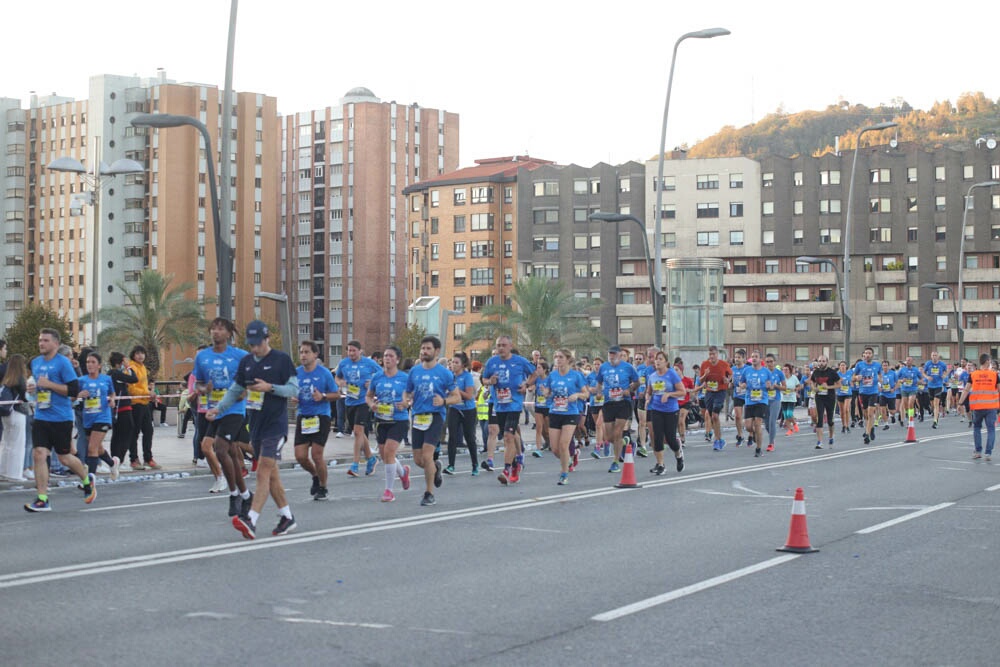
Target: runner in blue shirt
{"type": "Point", "coordinates": [392, 418]}
{"type": "Point", "coordinates": [739, 365]}
{"type": "Point", "coordinates": [755, 382]}
{"type": "Point", "coordinates": [934, 372]}
{"type": "Point", "coordinates": [663, 387]}
{"type": "Point", "coordinates": [353, 374]}
{"type": "Point", "coordinates": [887, 395]}
{"type": "Point", "coordinates": [541, 411]}
{"type": "Point", "coordinates": [866, 376]}
{"type": "Point", "coordinates": [97, 391]}
{"type": "Point", "coordinates": [462, 417]}
{"type": "Point", "coordinates": [844, 396]}
{"type": "Point", "coordinates": [643, 367]}
{"type": "Point", "coordinates": [508, 376]}
{"type": "Point", "coordinates": [56, 381]}
{"type": "Point", "coordinates": [908, 380]}
{"type": "Point", "coordinates": [565, 389]}
{"type": "Point", "coordinates": [430, 388]}
{"type": "Point", "coordinates": [616, 380]}
{"type": "Point", "coordinates": [317, 390]}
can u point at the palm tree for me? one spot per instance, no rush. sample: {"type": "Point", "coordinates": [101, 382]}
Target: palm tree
{"type": "Point", "coordinates": [157, 315]}
{"type": "Point", "coordinates": [543, 315]}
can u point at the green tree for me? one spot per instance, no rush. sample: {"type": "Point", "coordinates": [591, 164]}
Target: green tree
{"type": "Point", "coordinates": [408, 340]}
{"type": "Point", "coordinates": [275, 339]}
{"type": "Point", "coordinates": [156, 315]}
{"type": "Point", "coordinates": [22, 336]}
{"type": "Point", "coordinates": [543, 315]}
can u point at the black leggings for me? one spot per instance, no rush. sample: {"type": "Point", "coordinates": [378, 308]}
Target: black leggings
{"type": "Point", "coordinates": [826, 403]}
{"type": "Point", "coordinates": [664, 428]}
{"type": "Point", "coordinates": [462, 425]}
{"type": "Point", "coordinates": [121, 436]}
{"type": "Point", "coordinates": [142, 417]}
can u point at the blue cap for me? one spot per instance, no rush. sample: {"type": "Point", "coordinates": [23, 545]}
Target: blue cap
{"type": "Point", "coordinates": [257, 331]}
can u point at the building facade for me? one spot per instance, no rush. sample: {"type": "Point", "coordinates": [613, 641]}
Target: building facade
{"type": "Point", "coordinates": [13, 266]}
{"type": "Point", "coordinates": [343, 221]}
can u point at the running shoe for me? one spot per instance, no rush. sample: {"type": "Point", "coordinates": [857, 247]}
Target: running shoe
{"type": "Point", "coordinates": [245, 526]}
{"type": "Point", "coordinates": [607, 449]}
{"type": "Point", "coordinates": [502, 478]}
{"type": "Point", "coordinates": [934, 425]}
{"type": "Point", "coordinates": [756, 453]}
{"type": "Point", "coordinates": [796, 428]}
{"type": "Point", "coordinates": [428, 499]}
{"type": "Point", "coordinates": [708, 436]}
{"type": "Point", "coordinates": [388, 496]}
{"type": "Point", "coordinates": [219, 486]}
{"type": "Point", "coordinates": [819, 445]}
{"type": "Point", "coordinates": [830, 442]}
{"type": "Point", "coordinates": [245, 504]}
{"type": "Point", "coordinates": [90, 489]}
{"type": "Point", "coordinates": [475, 471]}
{"type": "Point", "coordinates": [615, 467]}
{"type": "Point", "coordinates": [536, 453]}
{"type": "Point", "coordinates": [314, 489]}
{"type": "Point", "coordinates": [576, 459]}
{"type": "Point", "coordinates": [770, 448]}
{"type": "Point", "coordinates": [38, 505]}
{"type": "Point", "coordinates": [235, 505]}
{"type": "Point", "coordinates": [680, 464]}
{"type": "Point", "coordinates": [739, 440]}
{"type": "Point", "coordinates": [353, 471]}
{"type": "Point", "coordinates": [322, 494]}
{"type": "Point", "coordinates": [285, 526]}
{"type": "Point", "coordinates": [563, 479]}
{"type": "Point", "coordinates": [893, 419]}
{"type": "Point", "coordinates": [722, 445]}
{"type": "Point", "coordinates": [867, 440]}
{"type": "Point", "coordinates": [515, 474]}
{"type": "Point", "coordinates": [253, 466]}
{"type": "Point", "coordinates": [135, 465]}
{"type": "Point", "coordinates": [487, 465]}
{"type": "Point", "coordinates": [450, 470]}
{"type": "Point", "coordinates": [405, 478]}
{"type": "Point", "coordinates": [153, 465]}
{"type": "Point", "coordinates": [872, 435]}
{"type": "Point", "coordinates": [437, 474]}
{"type": "Point", "coordinates": [595, 454]}
{"type": "Point", "coordinates": [370, 464]}
{"type": "Point", "coordinates": [885, 427]}
{"type": "Point", "coordinates": [788, 432]}
{"type": "Point", "coordinates": [642, 451]}
{"type": "Point", "coordinates": [116, 469]}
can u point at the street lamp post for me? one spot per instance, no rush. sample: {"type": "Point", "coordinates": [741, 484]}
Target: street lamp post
{"type": "Point", "coordinates": [95, 179]}
{"type": "Point", "coordinates": [846, 286]}
{"type": "Point", "coordinates": [961, 261]}
{"type": "Point", "coordinates": [656, 298]}
{"type": "Point", "coordinates": [845, 319]}
{"type": "Point", "coordinates": [938, 287]}
{"type": "Point", "coordinates": [284, 320]}
{"type": "Point", "coordinates": [223, 251]}
{"type": "Point", "coordinates": [707, 33]}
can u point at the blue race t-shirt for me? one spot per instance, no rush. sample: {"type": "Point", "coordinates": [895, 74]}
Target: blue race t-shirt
{"type": "Point", "coordinates": [561, 387]}
{"type": "Point", "coordinates": [426, 383]}
{"type": "Point", "coordinates": [356, 375]}
{"type": "Point", "coordinates": [844, 389]}
{"type": "Point", "coordinates": [866, 375]}
{"type": "Point", "coordinates": [388, 392]}
{"type": "Point", "coordinates": [615, 380]}
{"type": "Point", "coordinates": [756, 385]}
{"type": "Point", "coordinates": [463, 381]}
{"type": "Point", "coordinates": [665, 383]}
{"type": "Point", "coordinates": [50, 406]}
{"type": "Point", "coordinates": [935, 372]}
{"type": "Point", "coordinates": [219, 368]}
{"type": "Point", "coordinates": [887, 387]}
{"type": "Point", "coordinates": [511, 374]}
{"type": "Point", "coordinates": [96, 407]}
{"type": "Point", "coordinates": [321, 379]}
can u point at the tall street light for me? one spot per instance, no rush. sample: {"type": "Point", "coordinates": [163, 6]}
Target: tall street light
{"type": "Point", "coordinates": [223, 251]}
{"type": "Point", "coordinates": [227, 120]}
{"type": "Point", "coordinates": [844, 317]}
{"type": "Point", "coordinates": [938, 287]}
{"type": "Point", "coordinates": [656, 298]}
{"type": "Point", "coordinates": [846, 287]}
{"type": "Point", "coordinates": [961, 259]}
{"type": "Point", "coordinates": [95, 179]}
{"type": "Point", "coordinates": [707, 33]}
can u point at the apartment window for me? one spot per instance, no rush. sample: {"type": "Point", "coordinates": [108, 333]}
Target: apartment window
{"type": "Point", "coordinates": [459, 224]}
{"type": "Point", "coordinates": [770, 266]}
{"type": "Point", "coordinates": [546, 217]}
{"type": "Point", "coordinates": [801, 353]}
{"type": "Point", "coordinates": [802, 324]}
{"type": "Point", "coordinates": [739, 295]}
{"type": "Point", "coordinates": [481, 222]}
{"type": "Point", "coordinates": [483, 248]}
{"type": "Point", "coordinates": [971, 262]}
{"type": "Point", "coordinates": [831, 177]}
{"type": "Point", "coordinates": [482, 276]}
{"type": "Point", "coordinates": [624, 240]}
{"type": "Point", "coordinates": [625, 325]}
{"type": "Point", "coordinates": [580, 269]}
{"type": "Point", "coordinates": [459, 304]}
{"type": "Point", "coordinates": [435, 279]}
{"type": "Point", "coordinates": [669, 239]}
{"type": "Point", "coordinates": [735, 181]}
{"type": "Point", "coordinates": [911, 174]}
{"type": "Point", "coordinates": [479, 302]}
{"type": "Point", "coordinates": [435, 226]}
{"type": "Point", "coordinates": [628, 268]}
{"type": "Point", "coordinates": [767, 237]}
{"type": "Point", "coordinates": [995, 232]}
{"type": "Point", "coordinates": [942, 263]}
{"type": "Point", "coordinates": [913, 323]}
{"type": "Point", "coordinates": [708, 210]}
{"type": "Point", "coordinates": [707, 181]}
{"type": "Point", "coordinates": [435, 198]}
{"type": "Point", "coordinates": [545, 270]}
{"type": "Point", "coordinates": [767, 179]}
{"type": "Point", "coordinates": [708, 238]}
{"type": "Point", "coordinates": [739, 324]}
{"type": "Point", "coordinates": [580, 215]}
{"type": "Point", "coordinates": [580, 186]}
{"type": "Point", "coordinates": [798, 236]}
{"type": "Point", "coordinates": [459, 197]}
{"type": "Point", "coordinates": [968, 172]}
{"type": "Point", "coordinates": [878, 176]}
{"type": "Point", "coordinates": [546, 188]}
{"type": "Point", "coordinates": [435, 251]}
{"type": "Point", "coordinates": [969, 292]}
{"type": "Point", "coordinates": [911, 234]}
{"type": "Point", "coordinates": [581, 241]}
{"type": "Point", "coordinates": [828, 206]}
{"type": "Point", "coordinates": [829, 324]}
{"type": "Point", "coordinates": [460, 250]}
{"type": "Point", "coordinates": [767, 208]}
{"type": "Point", "coordinates": [482, 195]}
{"type": "Point", "coordinates": [879, 205]}
{"type": "Point", "coordinates": [939, 174]}
{"type": "Point", "coordinates": [736, 237]}
{"type": "Point", "coordinates": [624, 185]}
{"type": "Point", "coordinates": [829, 235]}
{"type": "Point", "coordinates": [508, 276]}
{"type": "Point", "coordinates": [880, 323]}
{"type": "Point", "coordinates": [880, 235]}
{"type": "Point", "coordinates": [459, 278]}
{"type": "Point", "coordinates": [508, 194]}
{"type": "Point", "coordinates": [735, 209]}
{"type": "Point", "coordinates": [801, 293]}
{"type": "Point", "coordinates": [545, 243]}
{"type": "Point", "coordinates": [770, 324]}
{"type": "Point", "coordinates": [771, 295]}
{"type": "Point", "coordinates": [669, 183]}
{"type": "Point", "coordinates": [508, 248]}
{"type": "Point", "coordinates": [940, 232]}
{"type": "Point", "coordinates": [595, 241]}
{"type": "Point", "coordinates": [415, 201]}
{"type": "Point", "coordinates": [627, 298]}
{"type": "Point", "coordinates": [797, 179]}
{"type": "Point", "coordinates": [889, 293]}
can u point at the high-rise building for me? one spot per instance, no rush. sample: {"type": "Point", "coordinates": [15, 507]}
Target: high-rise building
{"type": "Point", "coordinates": [344, 169]}
{"type": "Point", "coordinates": [14, 253]}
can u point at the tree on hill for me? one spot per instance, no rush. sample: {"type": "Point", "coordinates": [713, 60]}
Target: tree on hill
{"type": "Point", "coordinates": [22, 336]}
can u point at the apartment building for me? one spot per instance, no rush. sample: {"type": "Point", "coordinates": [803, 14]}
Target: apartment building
{"type": "Point", "coordinates": [344, 170]}
{"type": "Point", "coordinates": [13, 146]}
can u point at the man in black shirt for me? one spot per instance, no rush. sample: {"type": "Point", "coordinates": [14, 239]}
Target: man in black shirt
{"type": "Point", "coordinates": [825, 381]}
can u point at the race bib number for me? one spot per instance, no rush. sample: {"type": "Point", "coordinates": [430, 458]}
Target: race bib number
{"type": "Point", "coordinates": [203, 402]}
{"type": "Point", "coordinates": [615, 394]}
{"type": "Point", "coordinates": [560, 404]}
{"type": "Point", "coordinates": [44, 399]}
{"type": "Point", "coordinates": [92, 405]}
{"type": "Point", "coordinates": [659, 386]}
{"type": "Point", "coordinates": [712, 385]}
{"type": "Point", "coordinates": [216, 396]}
{"type": "Point", "coordinates": [310, 425]}
{"type": "Point", "coordinates": [885, 387]}
{"type": "Point", "coordinates": [935, 371]}
{"type": "Point", "coordinates": [642, 382]}
{"type": "Point", "coordinates": [353, 391]}
{"type": "Point", "coordinates": [423, 422]}
{"type": "Point", "coordinates": [383, 410]}
{"type": "Point", "coordinates": [599, 400]}
{"type": "Point", "coordinates": [771, 393]}
{"type": "Point", "coordinates": [756, 394]}
{"type": "Point", "coordinates": [908, 382]}
{"type": "Point", "coordinates": [255, 400]}
{"type": "Point", "coordinates": [867, 382]}
{"type": "Point", "coordinates": [503, 395]}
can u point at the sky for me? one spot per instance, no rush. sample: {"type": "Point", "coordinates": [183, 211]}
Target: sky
{"type": "Point", "coordinates": [563, 80]}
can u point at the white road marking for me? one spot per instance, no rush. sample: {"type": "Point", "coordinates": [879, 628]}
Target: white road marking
{"type": "Point", "coordinates": [995, 487]}
{"type": "Point", "coordinates": [892, 508]}
{"type": "Point", "coordinates": [339, 624]}
{"type": "Point", "coordinates": [901, 519]}
{"type": "Point", "coordinates": [156, 502]}
{"type": "Point", "coordinates": [648, 603]}
{"type": "Point", "coordinates": [535, 530]}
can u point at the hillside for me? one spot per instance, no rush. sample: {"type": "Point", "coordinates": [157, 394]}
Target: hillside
{"type": "Point", "coordinates": [813, 132]}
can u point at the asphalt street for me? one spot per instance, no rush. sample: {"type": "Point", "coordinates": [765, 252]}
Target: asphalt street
{"type": "Point", "coordinates": [683, 570]}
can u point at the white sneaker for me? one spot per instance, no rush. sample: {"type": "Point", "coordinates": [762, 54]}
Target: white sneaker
{"type": "Point", "coordinates": [29, 473]}
{"type": "Point", "coordinates": [339, 435]}
{"type": "Point", "coordinates": [219, 486]}
{"type": "Point", "coordinates": [116, 469]}
{"type": "Point", "coordinates": [202, 463]}
{"type": "Point", "coordinates": [103, 469]}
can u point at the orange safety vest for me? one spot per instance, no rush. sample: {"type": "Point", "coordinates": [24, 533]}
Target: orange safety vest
{"type": "Point", "coordinates": [984, 394]}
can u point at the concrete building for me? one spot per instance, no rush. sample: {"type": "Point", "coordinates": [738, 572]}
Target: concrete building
{"type": "Point", "coordinates": [13, 265]}
{"type": "Point", "coordinates": [343, 222]}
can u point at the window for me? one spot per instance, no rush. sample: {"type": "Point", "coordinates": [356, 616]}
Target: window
{"type": "Point", "coordinates": [828, 206]}
{"type": "Point", "coordinates": [941, 322]}
{"type": "Point", "coordinates": [579, 269]}
{"type": "Point", "coordinates": [580, 186]}
{"type": "Point", "coordinates": [624, 240]}
{"type": "Point", "coordinates": [546, 188]}
{"type": "Point", "coordinates": [797, 178]}
{"type": "Point", "coordinates": [482, 276]}
{"type": "Point", "coordinates": [798, 236]}
{"type": "Point", "coordinates": [739, 295]}
{"type": "Point", "coordinates": [627, 298]}
{"type": "Point", "coordinates": [625, 184]}
{"type": "Point", "coordinates": [482, 195]}
{"type": "Point", "coordinates": [580, 241]}
{"type": "Point", "coordinates": [458, 330]}
{"type": "Point", "coordinates": [829, 235]}
{"type": "Point", "coordinates": [435, 279]}
{"type": "Point", "coordinates": [478, 302]}
{"type": "Point", "coordinates": [942, 263]}
{"type": "Point", "coordinates": [972, 261]}
{"type": "Point", "coordinates": [459, 278]}
{"type": "Point", "coordinates": [880, 235]}
{"type": "Point", "coordinates": [435, 251]}
{"type": "Point", "coordinates": [829, 324]}
{"type": "Point", "coordinates": [481, 222]}
{"type": "Point", "coordinates": [546, 217]}
{"type": "Point", "coordinates": [735, 181]}
{"type": "Point", "coordinates": [739, 324]}
{"type": "Point", "coordinates": [414, 200]}
{"type": "Point", "coordinates": [708, 238]}
{"type": "Point", "coordinates": [801, 353]}
{"type": "Point", "coordinates": [797, 207]}
{"type": "Point", "coordinates": [995, 232]}
{"type": "Point", "coordinates": [801, 293]}
{"type": "Point", "coordinates": [911, 234]}
{"type": "Point", "coordinates": [880, 323]}
{"type": "Point", "coordinates": [707, 181]}
{"type": "Point", "coordinates": [740, 266]}
{"type": "Point", "coordinates": [460, 250]}
{"type": "Point", "coordinates": [939, 233]}
{"type": "Point", "coordinates": [911, 174]}
{"type": "Point", "coordinates": [668, 211]}
{"type": "Point", "coordinates": [459, 304]}
{"type": "Point", "coordinates": [435, 198]}
{"type": "Point", "coordinates": [435, 226]}
{"type": "Point", "coordinates": [459, 197]}
{"type": "Point", "coordinates": [939, 173]}
{"type": "Point", "coordinates": [771, 295]}
{"type": "Point", "coordinates": [625, 325]}
{"type": "Point", "coordinates": [508, 248]}
{"type": "Point", "coordinates": [736, 237]}
{"type": "Point", "coordinates": [544, 243]}
{"type": "Point", "coordinates": [767, 179]}
{"type": "Point", "coordinates": [580, 215]}
{"type": "Point", "coordinates": [485, 248]}
{"type": "Point", "coordinates": [879, 205]}
{"type": "Point", "coordinates": [735, 209]}
{"type": "Point", "coordinates": [770, 324]}
{"type": "Point", "coordinates": [878, 176]}
{"type": "Point", "coordinates": [770, 266]}
{"type": "Point", "coordinates": [767, 237]}
{"type": "Point", "coordinates": [831, 177]}
{"type": "Point", "coordinates": [669, 183]}
{"type": "Point", "coordinates": [459, 224]}
{"type": "Point", "coordinates": [545, 270]}
{"type": "Point", "coordinates": [801, 324]}
{"type": "Point", "coordinates": [708, 210]}
{"type": "Point", "coordinates": [939, 203]}
{"type": "Point", "coordinates": [767, 208]}
{"type": "Point", "coordinates": [628, 268]}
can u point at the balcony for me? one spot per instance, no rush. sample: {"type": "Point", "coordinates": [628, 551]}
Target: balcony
{"type": "Point", "coordinates": [991, 336]}
{"type": "Point", "coordinates": [890, 277]}
{"type": "Point", "coordinates": [968, 306]}
{"type": "Point", "coordinates": [782, 279]}
{"type": "Point", "coordinates": [631, 282]}
{"type": "Point", "coordinates": [890, 307]}
{"type": "Point", "coordinates": [979, 276]}
{"type": "Point", "coordinates": [783, 308]}
{"type": "Point", "coordinates": [634, 310]}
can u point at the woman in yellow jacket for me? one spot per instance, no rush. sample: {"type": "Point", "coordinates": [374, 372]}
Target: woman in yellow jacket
{"type": "Point", "coordinates": [141, 409]}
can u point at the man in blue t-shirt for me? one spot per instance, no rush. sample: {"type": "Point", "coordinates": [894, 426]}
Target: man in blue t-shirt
{"type": "Point", "coordinates": [934, 372]}
{"type": "Point", "coordinates": [354, 373]}
{"type": "Point", "coordinates": [867, 375]}
{"type": "Point", "coordinates": [616, 380]}
{"type": "Point", "coordinates": [317, 389]}
{"type": "Point", "coordinates": [508, 376]}
{"type": "Point", "coordinates": [269, 379]}
{"type": "Point", "coordinates": [52, 430]}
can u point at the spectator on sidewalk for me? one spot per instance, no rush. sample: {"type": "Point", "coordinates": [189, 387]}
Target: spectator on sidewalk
{"type": "Point", "coordinates": [141, 410]}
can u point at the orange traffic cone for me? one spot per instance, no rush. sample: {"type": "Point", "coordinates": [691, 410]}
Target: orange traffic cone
{"type": "Point", "coordinates": [798, 533]}
{"type": "Point", "coordinates": [628, 471]}
{"type": "Point", "coordinates": [911, 431]}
